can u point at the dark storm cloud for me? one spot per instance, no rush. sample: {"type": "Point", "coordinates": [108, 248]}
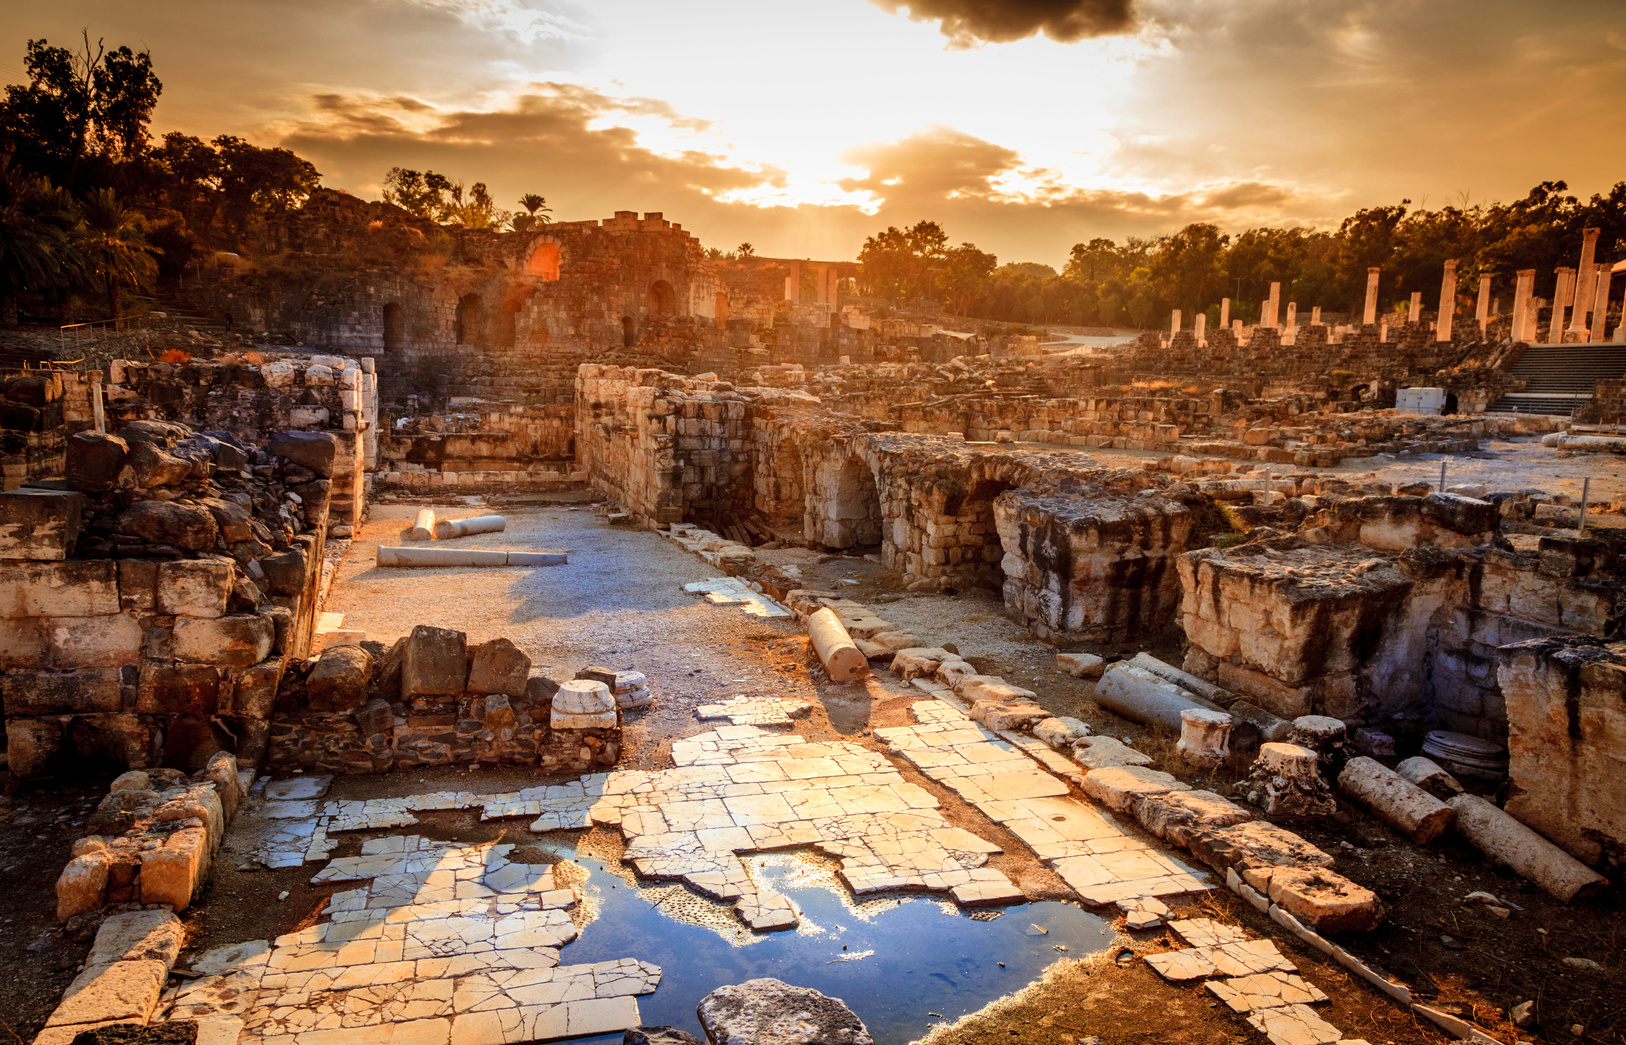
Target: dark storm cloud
{"type": "Point", "coordinates": [969, 22]}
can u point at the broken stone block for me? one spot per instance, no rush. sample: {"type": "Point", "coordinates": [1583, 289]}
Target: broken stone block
{"type": "Point", "coordinates": [313, 450]}
{"type": "Point", "coordinates": [94, 461]}
{"type": "Point", "coordinates": [1395, 800]}
{"type": "Point", "coordinates": [1177, 816]}
{"type": "Point", "coordinates": [1060, 733]}
{"type": "Point", "coordinates": [1122, 788]}
{"type": "Point", "coordinates": [1320, 898]}
{"type": "Point", "coordinates": [76, 588]}
{"type": "Point", "coordinates": [772, 1012]}
{"type": "Point", "coordinates": [118, 991]}
{"type": "Point", "coordinates": [170, 872]}
{"type": "Point", "coordinates": [152, 466]}
{"type": "Point", "coordinates": [661, 1035]}
{"type": "Point", "coordinates": [975, 688]}
{"type": "Point", "coordinates": [255, 694]}
{"type": "Point", "coordinates": [39, 524]}
{"type": "Point", "coordinates": [237, 641]}
{"type": "Point", "coordinates": [339, 680]}
{"type": "Point", "coordinates": [31, 744]}
{"type": "Point", "coordinates": [82, 886]}
{"type": "Point", "coordinates": [1286, 781]}
{"type": "Point", "coordinates": [1324, 735]}
{"type": "Point", "coordinates": [1102, 752]}
{"type": "Point", "coordinates": [188, 527]}
{"type": "Point", "coordinates": [1080, 665]}
{"type": "Point", "coordinates": [1254, 843]}
{"type": "Point", "coordinates": [284, 571]}
{"type": "Point", "coordinates": [434, 663]}
{"type": "Point", "coordinates": [918, 661]}
{"type": "Point", "coordinates": [138, 936]}
{"type": "Point", "coordinates": [1013, 713]}
{"type": "Point", "coordinates": [138, 586]}
{"type": "Point", "coordinates": [221, 771]}
{"type": "Point", "coordinates": [893, 641]}
{"type": "Point", "coordinates": [499, 667]}
{"type": "Point", "coordinates": [1205, 737]}
{"type": "Point", "coordinates": [195, 587]}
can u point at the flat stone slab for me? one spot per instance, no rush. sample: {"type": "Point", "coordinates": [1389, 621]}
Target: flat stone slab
{"type": "Point", "coordinates": [1294, 1025]}
{"type": "Point", "coordinates": [1265, 990]}
{"type": "Point", "coordinates": [312, 785]}
{"type": "Point", "coordinates": [732, 591]}
{"type": "Point", "coordinates": [754, 711]}
{"type": "Point", "coordinates": [115, 991]}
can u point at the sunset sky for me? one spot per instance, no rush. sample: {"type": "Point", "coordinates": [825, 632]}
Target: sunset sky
{"type": "Point", "coordinates": [1024, 127]}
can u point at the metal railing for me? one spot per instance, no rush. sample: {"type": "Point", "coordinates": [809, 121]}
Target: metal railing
{"type": "Point", "coordinates": [79, 331]}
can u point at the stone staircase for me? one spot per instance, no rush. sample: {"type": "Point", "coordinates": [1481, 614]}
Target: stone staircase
{"type": "Point", "coordinates": [1561, 378]}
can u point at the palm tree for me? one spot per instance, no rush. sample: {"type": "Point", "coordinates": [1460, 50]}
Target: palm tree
{"type": "Point", "coordinates": [112, 244]}
{"type": "Point", "coordinates": [34, 224]}
{"type": "Point", "coordinates": [532, 204]}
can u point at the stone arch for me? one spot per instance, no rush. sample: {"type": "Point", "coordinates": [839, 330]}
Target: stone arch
{"type": "Point", "coordinates": [467, 327]}
{"type": "Point", "coordinates": [544, 262]}
{"type": "Point", "coordinates": [720, 311]}
{"type": "Point", "coordinates": [394, 329]}
{"type": "Point", "coordinates": [662, 298]}
{"type": "Point", "coordinates": [853, 512]}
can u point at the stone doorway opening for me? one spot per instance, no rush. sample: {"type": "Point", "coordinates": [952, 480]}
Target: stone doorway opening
{"type": "Point", "coordinates": [466, 329]}
{"type": "Point", "coordinates": [662, 298]}
{"type": "Point", "coordinates": [854, 513]}
{"type": "Point", "coordinates": [968, 549]}
{"type": "Point", "coordinates": [394, 329]}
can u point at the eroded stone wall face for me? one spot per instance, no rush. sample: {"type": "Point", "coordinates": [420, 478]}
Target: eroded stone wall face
{"type": "Point", "coordinates": [1566, 706]}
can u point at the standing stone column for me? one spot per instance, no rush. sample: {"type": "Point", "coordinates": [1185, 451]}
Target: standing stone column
{"type": "Point", "coordinates": [1200, 327]}
{"type": "Point", "coordinates": [1369, 315]}
{"type": "Point", "coordinates": [1272, 306]}
{"type": "Point", "coordinates": [1292, 316]}
{"type": "Point", "coordinates": [1482, 312]}
{"type": "Point", "coordinates": [1448, 303]}
{"type": "Point", "coordinates": [1562, 290]}
{"type": "Point", "coordinates": [1600, 301]}
{"type": "Point", "coordinates": [1225, 313]}
{"type": "Point", "coordinates": [1585, 284]}
{"type": "Point", "coordinates": [1415, 313]}
{"type": "Point", "coordinates": [1521, 304]}
{"type": "Point", "coordinates": [1174, 323]}
{"type": "Point", "coordinates": [1315, 315]}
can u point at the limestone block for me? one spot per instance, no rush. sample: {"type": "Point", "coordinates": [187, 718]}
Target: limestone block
{"type": "Point", "coordinates": [1122, 788]}
{"type": "Point", "coordinates": [133, 936]}
{"type": "Point", "coordinates": [339, 680]}
{"type": "Point", "coordinates": [180, 689]}
{"type": "Point", "coordinates": [315, 451]}
{"type": "Point", "coordinates": [195, 587]}
{"type": "Point", "coordinates": [82, 885]}
{"type": "Point", "coordinates": [1254, 843]}
{"type": "Point", "coordinates": [255, 694]}
{"type": "Point", "coordinates": [894, 641]}
{"type": "Point", "coordinates": [39, 524]}
{"type": "Point", "coordinates": [1395, 800]}
{"type": "Point", "coordinates": [118, 991]}
{"type": "Point", "coordinates": [1061, 732]}
{"type": "Point", "coordinates": [284, 571]}
{"type": "Point", "coordinates": [94, 461]}
{"type": "Point", "coordinates": [499, 667]}
{"type": "Point", "coordinates": [1322, 899]}
{"type": "Point", "coordinates": [237, 641]}
{"type": "Point", "coordinates": [1103, 752]}
{"type": "Point", "coordinates": [22, 643]}
{"type": "Point", "coordinates": [1012, 713]}
{"type": "Point", "coordinates": [170, 872]}
{"type": "Point", "coordinates": [82, 692]}
{"type": "Point", "coordinates": [76, 588]}
{"type": "Point", "coordinates": [1178, 815]}
{"type": "Point", "coordinates": [1509, 843]}
{"type": "Point", "coordinates": [1080, 665]}
{"type": "Point", "coordinates": [771, 1012]}
{"type": "Point", "coordinates": [919, 661]}
{"type": "Point", "coordinates": [152, 466]}
{"type": "Point", "coordinates": [976, 688]}
{"type": "Point", "coordinates": [189, 527]}
{"type": "Point", "coordinates": [31, 744]}
{"type": "Point", "coordinates": [198, 803]}
{"type": "Point", "coordinates": [434, 663]}
{"type": "Point", "coordinates": [222, 771]}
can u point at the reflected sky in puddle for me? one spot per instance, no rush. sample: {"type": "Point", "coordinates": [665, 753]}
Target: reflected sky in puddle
{"type": "Point", "coordinates": [905, 957]}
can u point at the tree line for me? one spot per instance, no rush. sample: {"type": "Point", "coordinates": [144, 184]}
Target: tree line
{"type": "Point", "coordinates": [1138, 282]}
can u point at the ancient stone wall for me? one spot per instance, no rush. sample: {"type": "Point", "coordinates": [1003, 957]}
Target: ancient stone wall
{"type": "Point", "coordinates": [153, 597]}
{"type": "Point", "coordinates": [1566, 705]}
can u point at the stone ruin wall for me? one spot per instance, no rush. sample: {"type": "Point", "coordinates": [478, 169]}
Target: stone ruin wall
{"type": "Point", "coordinates": [154, 597]}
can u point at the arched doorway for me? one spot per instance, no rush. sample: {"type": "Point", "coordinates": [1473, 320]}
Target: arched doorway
{"type": "Point", "coordinates": [394, 329]}
{"type": "Point", "coordinates": [662, 298]}
{"type": "Point", "coordinates": [629, 336]}
{"type": "Point", "coordinates": [467, 329]}
{"type": "Point", "coordinates": [720, 311]}
{"type": "Point", "coordinates": [544, 262]}
{"type": "Point", "coordinates": [855, 511]}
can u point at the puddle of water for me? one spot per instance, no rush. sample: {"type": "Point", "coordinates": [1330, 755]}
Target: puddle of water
{"type": "Point", "coordinates": [905, 957]}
